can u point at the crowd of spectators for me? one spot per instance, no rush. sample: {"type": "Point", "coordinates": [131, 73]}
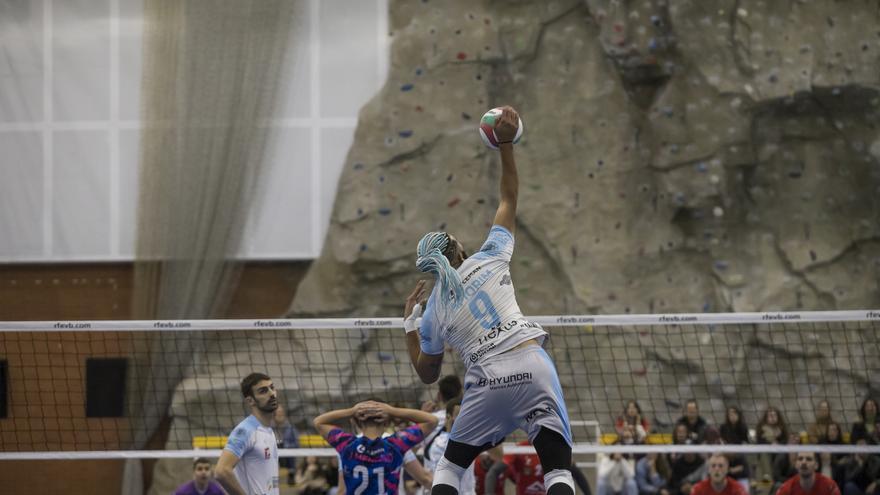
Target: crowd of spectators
{"type": "Point", "coordinates": [760, 473]}
{"type": "Point", "coordinates": [650, 474]}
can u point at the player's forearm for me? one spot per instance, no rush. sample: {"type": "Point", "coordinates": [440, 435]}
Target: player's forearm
{"type": "Point", "coordinates": [228, 481]}
{"type": "Point", "coordinates": [413, 416]}
{"type": "Point", "coordinates": [333, 418]}
{"type": "Point", "coordinates": [427, 369]}
{"type": "Point", "coordinates": [509, 175]}
{"type": "Point", "coordinates": [413, 346]}
{"type": "Point", "coordinates": [419, 473]}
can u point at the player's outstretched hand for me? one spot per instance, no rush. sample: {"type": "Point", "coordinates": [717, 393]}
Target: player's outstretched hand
{"type": "Point", "coordinates": [506, 126]}
{"type": "Point", "coordinates": [416, 296]}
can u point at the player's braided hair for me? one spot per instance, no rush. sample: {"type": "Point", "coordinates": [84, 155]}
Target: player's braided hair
{"type": "Point", "coordinates": [430, 258]}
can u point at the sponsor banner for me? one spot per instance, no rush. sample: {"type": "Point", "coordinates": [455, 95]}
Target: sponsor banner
{"type": "Point", "coordinates": [396, 322]}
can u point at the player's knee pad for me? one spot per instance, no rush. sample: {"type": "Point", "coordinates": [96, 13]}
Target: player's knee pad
{"type": "Point", "coordinates": [447, 474]}
{"type": "Point", "coordinates": [559, 482]}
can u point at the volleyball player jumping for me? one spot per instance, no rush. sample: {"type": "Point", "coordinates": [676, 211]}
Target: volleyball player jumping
{"type": "Point", "coordinates": [510, 381]}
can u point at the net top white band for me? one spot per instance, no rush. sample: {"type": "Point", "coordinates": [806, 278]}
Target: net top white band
{"type": "Point", "coordinates": [578, 448]}
{"type": "Point", "coordinates": [397, 322]}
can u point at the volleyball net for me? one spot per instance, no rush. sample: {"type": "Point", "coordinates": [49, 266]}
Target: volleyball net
{"type": "Point", "coordinates": [107, 389]}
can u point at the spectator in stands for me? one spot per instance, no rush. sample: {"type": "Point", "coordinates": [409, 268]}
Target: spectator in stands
{"type": "Point", "coordinates": [868, 425]}
{"type": "Point", "coordinates": [718, 483]}
{"type": "Point", "coordinates": [734, 430]}
{"type": "Point", "coordinates": [785, 465]}
{"type": "Point", "coordinates": [286, 437]}
{"type": "Point", "coordinates": [696, 424]}
{"type": "Point", "coordinates": [771, 430]}
{"type": "Point", "coordinates": [833, 465]}
{"type": "Point", "coordinates": [861, 473]}
{"type": "Point", "coordinates": [617, 473]}
{"type": "Point", "coordinates": [818, 429]}
{"type": "Point", "coordinates": [482, 467]}
{"type": "Point", "coordinates": [633, 418]}
{"type": "Point", "coordinates": [333, 477]}
{"type": "Point", "coordinates": [687, 470]}
{"type": "Point", "coordinates": [525, 471]}
{"type": "Point", "coordinates": [679, 437]}
{"type": "Point", "coordinates": [311, 477]}
{"type": "Point", "coordinates": [652, 473]}
{"type": "Point", "coordinates": [737, 466]}
{"type": "Point", "coordinates": [203, 481]}
{"type": "Point", "coordinates": [807, 481]}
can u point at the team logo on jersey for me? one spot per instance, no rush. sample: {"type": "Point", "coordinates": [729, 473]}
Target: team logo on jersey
{"type": "Point", "coordinates": [489, 246]}
{"type": "Point", "coordinates": [505, 280]}
{"type": "Point", "coordinates": [506, 381]}
{"type": "Point", "coordinates": [541, 411]}
{"type": "Point", "coordinates": [467, 278]}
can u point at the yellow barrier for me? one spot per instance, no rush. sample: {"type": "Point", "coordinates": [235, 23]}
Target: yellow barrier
{"type": "Point", "coordinates": [209, 442]}
{"type": "Point", "coordinates": [652, 439]}
{"type": "Point", "coordinates": [218, 442]}
{"type": "Point", "coordinates": [313, 441]}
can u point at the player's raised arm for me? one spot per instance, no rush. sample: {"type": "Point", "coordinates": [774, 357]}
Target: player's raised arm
{"type": "Point", "coordinates": [331, 420]}
{"type": "Point", "coordinates": [426, 421]}
{"type": "Point", "coordinates": [505, 130]}
{"type": "Point", "coordinates": [427, 366]}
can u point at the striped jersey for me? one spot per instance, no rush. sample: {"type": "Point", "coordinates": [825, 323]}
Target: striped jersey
{"type": "Point", "coordinates": [488, 321]}
{"type": "Point", "coordinates": [372, 466]}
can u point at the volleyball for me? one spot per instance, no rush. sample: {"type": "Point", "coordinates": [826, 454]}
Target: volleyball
{"type": "Point", "coordinates": [487, 128]}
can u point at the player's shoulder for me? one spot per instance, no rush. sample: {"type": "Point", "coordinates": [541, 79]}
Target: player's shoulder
{"type": "Point", "coordinates": [498, 241]}
{"type": "Point", "coordinates": [786, 487]}
{"type": "Point", "coordinates": [828, 485]}
{"type": "Point", "coordinates": [704, 486]}
{"type": "Point", "coordinates": [246, 427]}
{"type": "Point", "coordinates": [185, 488]}
{"type": "Point", "coordinates": [249, 423]}
{"type": "Point", "coordinates": [733, 487]}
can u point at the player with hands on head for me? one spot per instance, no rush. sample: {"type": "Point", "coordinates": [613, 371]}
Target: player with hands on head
{"type": "Point", "coordinates": [371, 463]}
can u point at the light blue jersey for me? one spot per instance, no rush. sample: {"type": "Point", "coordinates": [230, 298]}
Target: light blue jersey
{"type": "Point", "coordinates": [257, 452]}
{"type": "Point", "coordinates": [504, 388]}
{"type": "Point", "coordinates": [489, 321]}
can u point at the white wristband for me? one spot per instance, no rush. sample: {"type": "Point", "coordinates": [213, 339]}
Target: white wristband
{"type": "Point", "coordinates": [409, 323]}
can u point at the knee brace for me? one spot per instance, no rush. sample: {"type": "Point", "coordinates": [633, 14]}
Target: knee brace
{"type": "Point", "coordinates": [555, 477]}
{"type": "Point", "coordinates": [447, 473]}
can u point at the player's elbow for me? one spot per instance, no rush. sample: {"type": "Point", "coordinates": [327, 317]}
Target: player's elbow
{"type": "Point", "coordinates": [431, 425]}
{"type": "Point", "coordinates": [427, 376]}
{"type": "Point", "coordinates": [222, 473]}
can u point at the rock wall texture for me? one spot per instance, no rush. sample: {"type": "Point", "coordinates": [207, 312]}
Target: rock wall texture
{"type": "Point", "coordinates": [679, 156]}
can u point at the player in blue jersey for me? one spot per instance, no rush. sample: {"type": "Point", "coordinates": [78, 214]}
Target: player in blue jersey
{"type": "Point", "coordinates": [249, 463]}
{"type": "Point", "coordinates": [510, 381]}
{"type": "Point", "coordinates": [370, 463]}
